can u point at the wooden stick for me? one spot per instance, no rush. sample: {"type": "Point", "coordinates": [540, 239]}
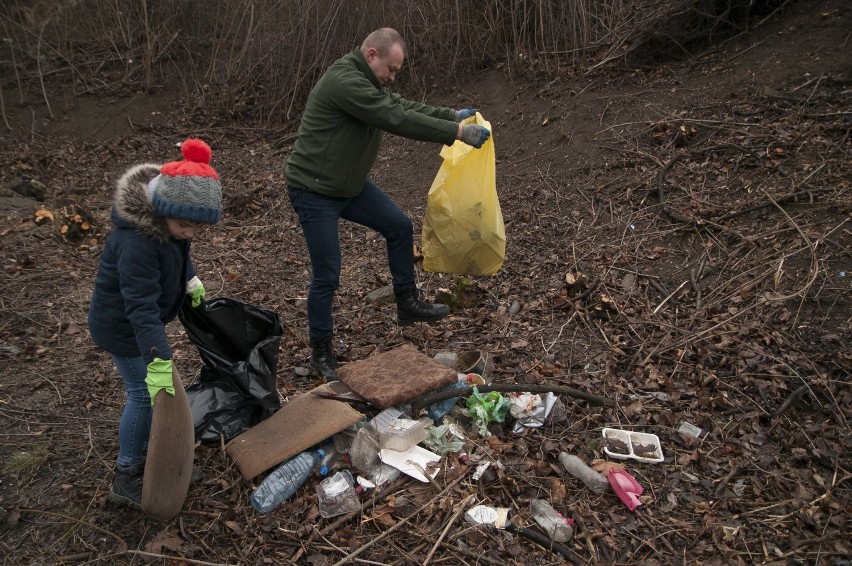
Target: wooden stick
{"type": "Point", "coordinates": [428, 399]}
{"type": "Point", "coordinates": [364, 547]}
{"type": "Point", "coordinates": [452, 520]}
{"type": "Point", "coordinates": [551, 545]}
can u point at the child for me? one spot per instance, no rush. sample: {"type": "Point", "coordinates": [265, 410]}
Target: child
{"type": "Point", "coordinates": [140, 286]}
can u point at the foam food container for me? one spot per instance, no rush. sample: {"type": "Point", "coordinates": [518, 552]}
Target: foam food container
{"type": "Point", "coordinates": [624, 444]}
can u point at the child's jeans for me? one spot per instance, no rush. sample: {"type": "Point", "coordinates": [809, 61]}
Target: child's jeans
{"type": "Point", "coordinates": [135, 424]}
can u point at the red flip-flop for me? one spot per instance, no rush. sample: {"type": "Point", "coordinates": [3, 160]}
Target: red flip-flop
{"type": "Point", "coordinates": [625, 487]}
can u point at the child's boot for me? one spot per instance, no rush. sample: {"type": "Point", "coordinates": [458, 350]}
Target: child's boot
{"type": "Point", "coordinates": [127, 487]}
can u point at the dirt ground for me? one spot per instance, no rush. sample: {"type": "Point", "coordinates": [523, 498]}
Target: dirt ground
{"type": "Point", "coordinates": [678, 241]}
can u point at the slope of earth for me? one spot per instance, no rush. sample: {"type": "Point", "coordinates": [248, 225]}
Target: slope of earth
{"type": "Point", "coordinates": [679, 241]}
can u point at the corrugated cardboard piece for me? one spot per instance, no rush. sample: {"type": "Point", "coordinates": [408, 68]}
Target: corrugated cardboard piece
{"type": "Point", "coordinates": [396, 376]}
{"type": "Point", "coordinates": [295, 427]}
{"type": "Point", "coordinates": [171, 448]}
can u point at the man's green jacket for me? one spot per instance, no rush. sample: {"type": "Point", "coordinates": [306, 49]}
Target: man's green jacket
{"type": "Point", "coordinates": [342, 125]}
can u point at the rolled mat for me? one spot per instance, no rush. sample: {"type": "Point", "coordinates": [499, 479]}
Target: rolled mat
{"type": "Point", "coordinates": [396, 376]}
{"type": "Point", "coordinates": [171, 448]}
{"type": "Point", "coordinates": [295, 427]}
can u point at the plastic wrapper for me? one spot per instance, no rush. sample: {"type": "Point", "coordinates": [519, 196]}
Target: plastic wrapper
{"type": "Point", "coordinates": [236, 389]}
{"type": "Point", "coordinates": [486, 408]}
{"type": "Point", "coordinates": [444, 439]}
{"type": "Point", "coordinates": [530, 410]}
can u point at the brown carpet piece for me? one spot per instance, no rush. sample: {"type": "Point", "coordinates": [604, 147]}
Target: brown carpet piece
{"type": "Point", "coordinates": [303, 422]}
{"type": "Point", "coordinates": [171, 448]}
{"type": "Point", "coordinates": [396, 376]}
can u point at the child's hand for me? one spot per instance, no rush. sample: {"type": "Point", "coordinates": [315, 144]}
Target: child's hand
{"type": "Point", "coordinates": [195, 289]}
{"type": "Point", "coordinates": [159, 377]}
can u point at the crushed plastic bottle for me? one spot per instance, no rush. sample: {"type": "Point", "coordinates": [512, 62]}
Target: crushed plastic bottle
{"type": "Point", "coordinates": [557, 527]}
{"type": "Point", "coordinates": [580, 470]}
{"type": "Point", "coordinates": [283, 482]}
{"type": "Point", "coordinates": [337, 495]}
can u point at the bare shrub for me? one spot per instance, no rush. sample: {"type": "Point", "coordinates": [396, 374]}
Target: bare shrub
{"type": "Point", "coordinates": [256, 60]}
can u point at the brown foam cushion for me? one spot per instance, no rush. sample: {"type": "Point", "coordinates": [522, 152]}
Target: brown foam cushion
{"type": "Point", "coordinates": [303, 422]}
{"type": "Point", "coordinates": [171, 448]}
{"type": "Point", "coordinates": [396, 376]}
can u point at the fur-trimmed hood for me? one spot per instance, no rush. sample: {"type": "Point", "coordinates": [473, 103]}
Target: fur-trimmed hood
{"type": "Point", "coordinates": [132, 202]}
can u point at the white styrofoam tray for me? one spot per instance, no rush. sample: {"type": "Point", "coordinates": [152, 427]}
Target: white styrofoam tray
{"type": "Point", "coordinates": [651, 451]}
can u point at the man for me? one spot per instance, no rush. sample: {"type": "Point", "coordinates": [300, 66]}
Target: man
{"type": "Point", "coordinates": [326, 175]}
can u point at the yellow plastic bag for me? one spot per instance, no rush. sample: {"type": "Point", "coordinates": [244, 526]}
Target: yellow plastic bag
{"type": "Point", "coordinates": [463, 228]}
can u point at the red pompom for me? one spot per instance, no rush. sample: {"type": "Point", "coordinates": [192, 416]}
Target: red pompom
{"type": "Point", "coordinates": [196, 150]}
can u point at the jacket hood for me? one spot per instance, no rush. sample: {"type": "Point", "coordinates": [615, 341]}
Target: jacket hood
{"type": "Point", "coordinates": [132, 205]}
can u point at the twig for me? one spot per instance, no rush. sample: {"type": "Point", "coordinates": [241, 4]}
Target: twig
{"type": "Point", "coordinates": [746, 50]}
{"type": "Point", "coordinates": [399, 524]}
{"type": "Point", "coordinates": [634, 272]}
{"type": "Point", "coordinates": [792, 197]}
{"type": "Point", "coordinates": [694, 278]}
{"type": "Point", "coordinates": [373, 500]}
{"type": "Point", "coordinates": [672, 294]}
{"type": "Point", "coordinates": [547, 543]}
{"type": "Point", "coordinates": [113, 116]}
{"type": "Point", "coordinates": [122, 545]}
{"type": "Point", "coordinates": [814, 261]}
{"type": "Point", "coordinates": [167, 559]}
{"type": "Point", "coordinates": [719, 488]}
{"type": "Point", "coordinates": [449, 524]}
{"type": "Point", "coordinates": [790, 398]}
{"type": "Point", "coordinates": [3, 111]}
{"type": "Point", "coordinates": [40, 73]}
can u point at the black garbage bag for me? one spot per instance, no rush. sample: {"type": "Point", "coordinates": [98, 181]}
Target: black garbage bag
{"type": "Point", "coordinates": [235, 389]}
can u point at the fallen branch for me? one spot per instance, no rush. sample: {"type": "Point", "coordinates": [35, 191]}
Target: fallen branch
{"type": "Point", "coordinates": [792, 197]}
{"type": "Point", "coordinates": [789, 400]}
{"type": "Point", "coordinates": [545, 542]}
{"type": "Point", "coordinates": [399, 524]}
{"type": "Point", "coordinates": [430, 398]}
{"type": "Point", "coordinates": [459, 510]}
{"type": "Point", "coordinates": [335, 525]}
{"type": "Point", "coordinates": [122, 546]}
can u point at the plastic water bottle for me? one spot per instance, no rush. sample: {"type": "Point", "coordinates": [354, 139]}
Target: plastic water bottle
{"type": "Point", "coordinates": [557, 527]}
{"type": "Point", "coordinates": [283, 482]}
{"type": "Point", "coordinates": [580, 470]}
{"type": "Point", "coordinates": [328, 459]}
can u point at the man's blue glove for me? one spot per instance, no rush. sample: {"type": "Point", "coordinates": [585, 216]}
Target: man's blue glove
{"type": "Point", "coordinates": [159, 377]}
{"type": "Point", "coordinates": [475, 135]}
{"type": "Point", "coordinates": [464, 113]}
{"type": "Point", "coordinates": [195, 289]}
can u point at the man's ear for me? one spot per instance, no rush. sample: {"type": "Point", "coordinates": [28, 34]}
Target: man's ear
{"type": "Point", "coordinates": [372, 53]}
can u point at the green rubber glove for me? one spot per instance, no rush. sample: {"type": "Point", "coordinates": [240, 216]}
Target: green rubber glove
{"type": "Point", "coordinates": [159, 377]}
{"type": "Point", "coordinates": [195, 289]}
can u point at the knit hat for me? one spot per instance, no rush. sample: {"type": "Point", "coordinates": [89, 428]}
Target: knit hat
{"type": "Point", "coordinates": [189, 190]}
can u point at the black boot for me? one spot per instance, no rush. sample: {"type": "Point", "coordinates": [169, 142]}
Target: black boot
{"type": "Point", "coordinates": [323, 360]}
{"type": "Point", "coordinates": [127, 487]}
{"type": "Point", "coordinates": [410, 309]}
